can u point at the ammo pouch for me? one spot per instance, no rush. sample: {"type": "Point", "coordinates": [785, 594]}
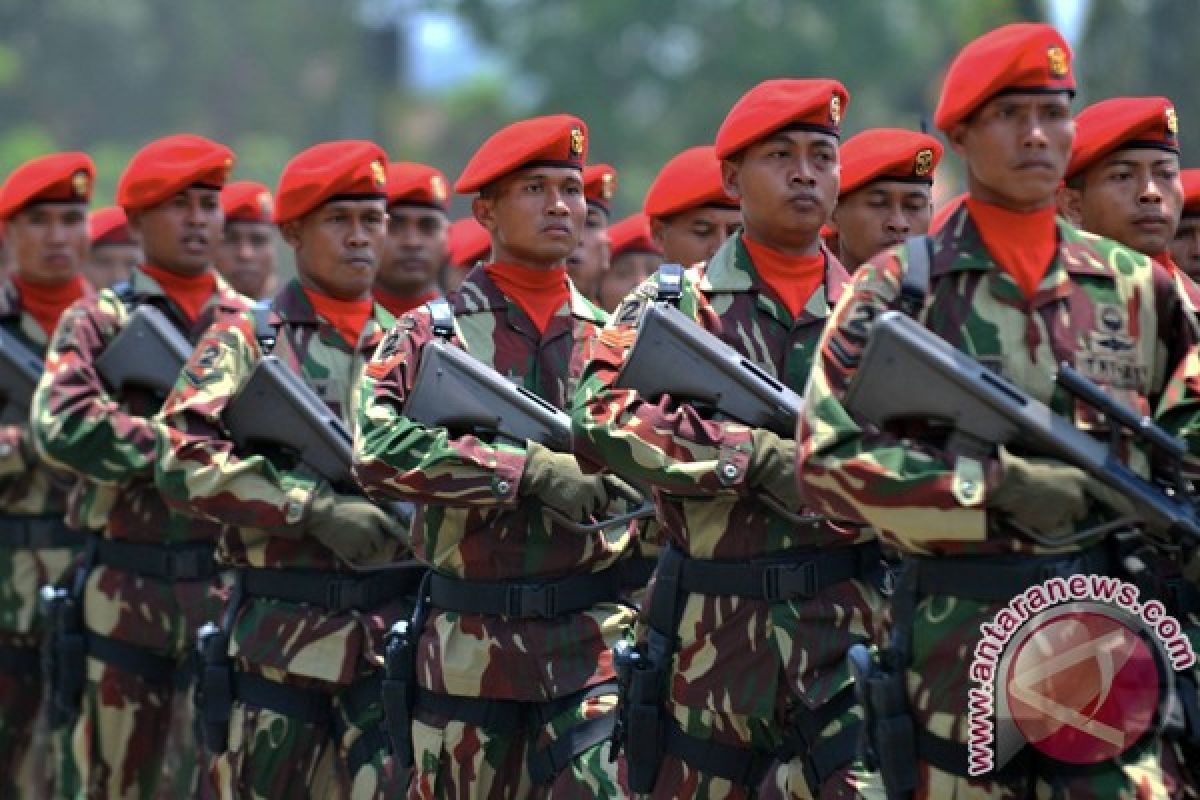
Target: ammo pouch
{"type": "Point", "coordinates": [400, 679]}
{"type": "Point", "coordinates": [640, 724]}
{"type": "Point", "coordinates": [64, 657]}
{"type": "Point", "coordinates": [214, 689]}
{"type": "Point", "coordinates": [888, 737]}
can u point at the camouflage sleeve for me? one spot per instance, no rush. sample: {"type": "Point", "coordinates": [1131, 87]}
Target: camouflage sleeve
{"type": "Point", "coordinates": [199, 473]}
{"type": "Point", "coordinates": [397, 458]}
{"type": "Point", "coordinates": [77, 424]}
{"type": "Point", "coordinates": [667, 444]}
{"type": "Point", "coordinates": [1178, 407]}
{"type": "Point", "coordinates": [912, 491]}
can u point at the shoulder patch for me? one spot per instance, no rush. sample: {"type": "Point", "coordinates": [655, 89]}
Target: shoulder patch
{"type": "Point", "coordinates": [201, 370]}
{"type": "Point", "coordinates": [620, 338]}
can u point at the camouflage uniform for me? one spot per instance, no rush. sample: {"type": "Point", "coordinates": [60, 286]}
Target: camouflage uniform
{"type": "Point", "coordinates": [325, 657]}
{"type": "Point", "coordinates": [475, 527]}
{"type": "Point", "coordinates": [29, 493]}
{"type": "Point", "coordinates": [747, 672]}
{"type": "Point", "coordinates": [1101, 306]}
{"type": "Point", "coordinates": [140, 619]}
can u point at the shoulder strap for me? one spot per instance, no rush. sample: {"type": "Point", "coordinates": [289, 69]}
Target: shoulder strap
{"type": "Point", "coordinates": [914, 286]}
{"type": "Point", "coordinates": [442, 314]}
{"type": "Point", "coordinates": [670, 284]}
{"type": "Point", "coordinates": [264, 331]}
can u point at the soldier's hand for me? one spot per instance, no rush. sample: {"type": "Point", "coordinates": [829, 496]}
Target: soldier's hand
{"type": "Point", "coordinates": [772, 468]}
{"type": "Point", "coordinates": [1041, 493]}
{"type": "Point", "coordinates": [556, 480]}
{"type": "Point", "coordinates": [355, 529]}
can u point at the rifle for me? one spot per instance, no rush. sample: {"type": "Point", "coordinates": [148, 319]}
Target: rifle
{"type": "Point", "coordinates": [20, 370]}
{"type": "Point", "coordinates": [456, 391]}
{"type": "Point", "coordinates": [277, 411]}
{"type": "Point", "coordinates": [983, 410]}
{"type": "Point", "coordinates": [148, 353]}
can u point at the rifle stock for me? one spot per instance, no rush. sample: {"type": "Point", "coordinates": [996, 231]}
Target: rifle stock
{"type": "Point", "coordinates": [20, 370]}
{"type": "Point", "coordinates": [148, 353]}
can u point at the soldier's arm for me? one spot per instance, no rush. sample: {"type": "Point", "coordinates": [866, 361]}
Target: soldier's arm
{"type": "Point", "coordinates": [396, 458]}
{"type": "Point", "coordinates": [909, 490]}
{"type": "Point", "coordinates": [1178, 406]}
{"type": "Point", "coordinates": [76, 424]}
{"type": "Point", "coordinates": [666, 444]}
{"type": "Point", "coordinates": [199, 472]}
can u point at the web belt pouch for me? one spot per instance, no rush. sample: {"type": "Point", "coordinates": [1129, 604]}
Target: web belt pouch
{"type": "Point", "coordinates": [891, 731]}
{"type": "Point", "coordinates": [64, 658]}
{"type": "Point", "coordinates": [400, 679]}
{"type": "Point", "coordinates": [214, 690]}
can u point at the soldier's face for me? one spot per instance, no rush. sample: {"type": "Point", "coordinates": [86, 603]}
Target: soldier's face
{"type": "Point", "coordinates": [692, 236]}
{"type": "Point", "coordinates": [109, 264]}
{"type": "Point", "coordinates": [414, 250]}
{"type": "Point", "coordinates": [49, 241]}
{"type": "Point", "coordinates": [534, 216]}
{"type": "Point", "coordinates": [246, 257]}
{"type": "Point", "coordinates": [788, 185]}
{"type": "Point", "coordinates": [1185, 247]}
{"type": "Point", "coordinates": [338, 246]}
{"type": "Point", "coordinates": [182, 233]}
{"type": "Point", "coordinates": [627, 271]}
{"type": "Point", "coordinates": [1133, 196]}
{"type": "Point", "coordinates": [1016, 148]}
{"type": "Point", "coordinates": [878, 216]}
{"type": "Point", "coordinates": [589, 261]}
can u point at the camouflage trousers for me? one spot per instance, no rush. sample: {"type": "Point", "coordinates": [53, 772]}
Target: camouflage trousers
{"type": "Point", "coordinates": [135, 737]}
{"type": "Point", "coordinates": [273, 755]}
{"type": "Point", "coordinates": [460, 759]}
{"type": "Point", "coordinates": [945, 631]}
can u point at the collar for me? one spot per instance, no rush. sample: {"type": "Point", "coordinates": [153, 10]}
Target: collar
{"type": "Point", "coordinates": [291, 306]}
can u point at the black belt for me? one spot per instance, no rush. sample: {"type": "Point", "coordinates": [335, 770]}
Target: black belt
{"type": "Point", "coordinates": [146, 664]}
{"type": "Point", "coordinates": [182, 562]}
{"type": "Point", "coordinates": [998, 578]}
{"type": "Point", "coordinates": [542, 600]}
{"type": "Point", "coordinates": [637, 571]}
{"type": "Point", "coordinates": [16, 660]}
{"type": "Point", "coordinates": [784, 576]}
{"type": "Point", "coordinates": [37, 532]}
{"type": "Point", "coordinates": [304, 705]}
{"type": "Point", "coordinates": [336, 592]}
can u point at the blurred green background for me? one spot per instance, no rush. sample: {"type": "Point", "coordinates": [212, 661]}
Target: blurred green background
{"type": "Point", "coordinates": [430, 80]}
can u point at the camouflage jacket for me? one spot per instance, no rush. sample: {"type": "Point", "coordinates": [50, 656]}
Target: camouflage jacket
{"type": "Point", "coordinates": [1112, 313]}
{"type": "Point", "coordinates": [471, 523]}
{"type": "Point", "coordinates": [111, 440]}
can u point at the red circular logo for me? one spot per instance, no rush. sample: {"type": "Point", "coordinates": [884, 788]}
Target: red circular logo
{"type": "Point", "coordinates": [1083, 687]}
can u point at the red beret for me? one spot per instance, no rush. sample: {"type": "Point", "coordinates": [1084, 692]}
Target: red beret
{"type": "Point", "coordinates": [167, 166]}
{"type": "Point", "coordinates": [1191, 191]}
{"type": "Point", "coordinates": [324, 171]}
{"type": "Point", "coordinates": [1122, 122]}
{"type": "Point", "coordinates": [689, 180]}
{"type": "Point", "coordinates": [632, 235]}
{"type": "Point", "coordinates": [944, 212]}
{"type": "Point", "coordinates": [59, 177]}
{"type": "Point", "coordinates": [109, 226]}
{"type": "Point", "coordinates": [599, 185]}
{"type": "Point", "coordinates": [888, 154]}
{"type": "Point", "coordinates": [559, 140]}
{"type": "Point", "coordinates": [1024, 55]}
{"type": "Point", "coordinates": [809, 104]}
{"type": "Point", "coordinates": [409, 183]}
{"type": "Point", "coordinates": [247, 201]}
{"type": "Point", "coordinates": [467, 242]}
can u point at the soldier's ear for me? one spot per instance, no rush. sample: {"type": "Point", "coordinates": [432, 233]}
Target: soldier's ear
{"type": "Point", "coordinates": [134, 218]}
{"type": "Point", "coordinates": [290, 231]}
{"type": "Point", "coordinates": [731, 178]}
{"type": "Point", "coordinates": [658, 231]}
{"type": "Point", "coordinates": [483, 207]}
{"type": "Point", "coordinates": [1070, 204]}
{"type": "Point", "coordinates": [956, 137]}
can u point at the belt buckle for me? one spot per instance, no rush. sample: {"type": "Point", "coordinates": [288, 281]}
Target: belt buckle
{"type": "Point", "coordinates": [532, 600]}
{"type": "Point", "coordinates": [788, 581]}
{"type": "Point", "coordinates": [344, 595]}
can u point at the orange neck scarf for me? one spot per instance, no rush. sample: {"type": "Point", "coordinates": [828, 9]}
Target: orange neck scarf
{"type": "Point", "coordinates": [399, 305]}
{"type": "Point", "coordinates": [539, 292]}
{"type": "Point", "coordinates": [792, 279]}
{"type": "Point", "coordinates": [348, 317]}
{"type": "Point", "coordinates": [189, 292]}
{"type": "Point", "coordinates": [47, 303]}
{"type": "Point", "coordinates": [1023, 244]}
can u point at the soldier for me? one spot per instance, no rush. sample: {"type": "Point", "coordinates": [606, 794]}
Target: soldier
{"type": "Point", "coordinates": [44, 207]}
{"type": "Point", "coordinates": [246, 257]}
{"type": "Point", "coordinates": [1021, 291]}
{"type": "Point", "coordinates": [690, 212]}
{"type": "Point", "coordinates": [516, 691]}
{"type": "Point", "coordinates": [418, 199]}
{"type": "Point", "coordinates": [887, 191]}
{"type": "Point", "coordinates": [467, 244]}
{"type": "Point", "coordinates": [588, 263]}
{"type": "Point", "coordinates": [1185, 247]}
{"type": "Point", "coordinates": [115, 253]}
{"type": "Point", "coordinates": [305, 630]}
{"type": "Point", "coordinates": [151, 571]}
{"type": "Point", "coordinates": [759, 699]}
{"type": "Point", "coordinates": [634, 256]}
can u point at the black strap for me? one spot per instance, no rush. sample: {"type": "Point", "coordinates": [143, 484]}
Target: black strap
{"type": "Point", "coordinates": [545, 764]}
{"type": "Point", "coordinates": [336, 592]}
{"type": "Point", "coordinates": [304, 705]}
{"type": "Point", "coordinates": [494, 716]}
{"type": "Point", "coordinates": [1001, 578]}
{"type": "Point", "coordinates": [914, 285]}
{"type": "Point", "coordinates": [542, 600]}
{"type": "Point", "coordinates": [358, 697]}
{"type": "Point", "coordinates": [670, 284]}
{"type": "Point", "coordinates": [738, 765]}
{"type": "Point", "coordinates": [795, 574]}
{"type": "Point", "coordinates": [441, 314]}
{"type": "Point", "coordinates": [15, 660]}
{"type": "Point", "coordinates": [146, 664]}
{"type": "Point", "coordinates": [37, 532]}
{"type": "Point", "coordinates": [637, 571]}
{"type": "Point", "coordinates": [184, 562]}
{"type": "Point", "coordinates": [366, 747]}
